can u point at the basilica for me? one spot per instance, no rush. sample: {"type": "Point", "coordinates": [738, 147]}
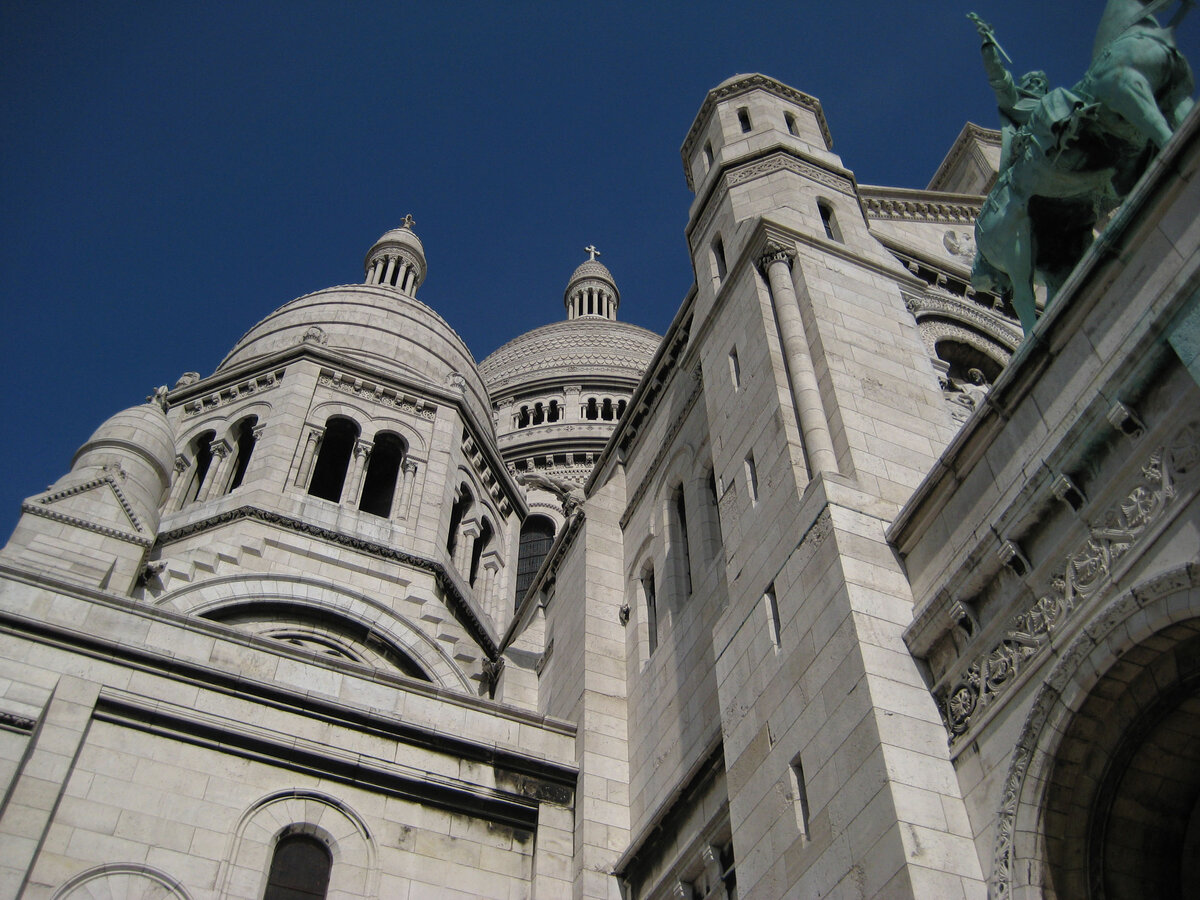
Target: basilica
{"type": "Point", "coordinates": [841, 588]}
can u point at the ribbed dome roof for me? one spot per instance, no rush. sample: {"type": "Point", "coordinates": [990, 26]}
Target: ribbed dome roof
{"type": "Point", "coordinates": [570, 350]}
{"type": "Point", "coordinates": [591, 268]}
{"type": "Point", "coordinates": [376, 326]}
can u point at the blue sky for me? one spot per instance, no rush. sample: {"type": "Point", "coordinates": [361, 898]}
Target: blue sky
{"type": "Point", "coordinates": [172, 172]}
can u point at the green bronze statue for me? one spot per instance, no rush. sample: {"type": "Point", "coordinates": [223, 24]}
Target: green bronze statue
{"type": "Point", "coordinates": [1068, 157]}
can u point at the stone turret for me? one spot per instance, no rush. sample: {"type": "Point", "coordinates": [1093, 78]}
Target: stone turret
{"type": "Point", "coordinates": [95, 524]}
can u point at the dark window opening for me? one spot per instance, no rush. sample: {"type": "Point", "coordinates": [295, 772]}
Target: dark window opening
{"type": "Point", "coordinates": [537, 534]}
{"type": "Point", "coordinates": [708, 155]}
{"type": "Point", "coordinates": [300, 869]}
{"type": "Point", "coordinates": [554, 413]}
{"type": "Point", "coordinates": [333, 459]}
{"type": "Point", "coordinates": [651, 606]}
{"type": "Point", "coordinates": [620, 408]}
{"type": "Point", "coordinates": [606, 410]}
{"type": "Point", "coordinates": [680, 537]}
{"type": "Point", "coordinates": [791, 123]}
{"type": "Point", "coordinates": [539, 414]}
{"type": "Point", "coordinates": [718, 251]}
{"type": "Point", "coordinates": [523, 417]}
{"type": "Point", "coordinates": [245, 441]}
{"type": "Point", "coordinates": [457, 512]}
{"type": "Point", "coordinates": [829, 221]}
{"type": "Point", "coordinates": [481, 544]}
{"type": "Point", "coordinates": [744, 119]}
{"type": "Point", "coordinates": [383, 470]}
{"type": "Point", "coordinates": [593, 409]}
{"type": "Point", "coordinates": [202, 460]}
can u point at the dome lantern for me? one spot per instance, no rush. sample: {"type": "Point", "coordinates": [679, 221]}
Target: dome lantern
{"type": "Point", "coordinates": [397, 260]}
{"type": "Point", "coordinates": [591, 291]}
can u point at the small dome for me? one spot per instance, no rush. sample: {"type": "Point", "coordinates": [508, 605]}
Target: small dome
{"type": "Point", "coordinates": [397, 260]}
{"type": "Point", "coordinates": [591, 268]}
{"type": "Point", "coordinates": [141, 431]}
{"type": "Point", "coordinates": [591, 290]}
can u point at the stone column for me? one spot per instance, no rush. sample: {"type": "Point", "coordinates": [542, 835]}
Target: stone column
{"type": "Point", "coordinates": [217, 476]}
{"type": "Point", "coordinates": [409, 474]}
{"type": "Point", "coordinates": [311, 442]}
{"type": "Point", "coordinates": [358, 468]}
{"type": "Point", "coordinates": [178, 482]}
{"type": "Point", "coordinates": [391, 267]}
{"type": "Point", "coordinates": [465, 548]}
{"type": "Point", "coordinates": [776, 262]}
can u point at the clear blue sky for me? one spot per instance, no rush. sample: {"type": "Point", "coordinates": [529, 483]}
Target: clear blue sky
{"type": "Point", "coordinates": [174, 171]}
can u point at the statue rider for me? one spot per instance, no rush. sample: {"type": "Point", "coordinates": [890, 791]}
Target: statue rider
{"type": "Point", "coordinates": [1017, 101]}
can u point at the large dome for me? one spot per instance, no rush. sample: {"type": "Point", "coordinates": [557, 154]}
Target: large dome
{"type": "Point", "coordinates": [577, 348]}
{"type": "Point", "coordinates": [379, 327]}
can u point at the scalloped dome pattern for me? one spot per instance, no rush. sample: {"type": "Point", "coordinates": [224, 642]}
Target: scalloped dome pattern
{"type": "Point", "coordinates": [571, 349]}
{"type": "Point", "coordinates": [591, 268]}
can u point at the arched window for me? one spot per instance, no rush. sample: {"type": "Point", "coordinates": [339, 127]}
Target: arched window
{"type": "Point", "coordinates": [462, 503]}
{"type": "Point", "coordinates": [680, 556]}
{"type": "Point", "coordinates": [744, 119]}
{"type": "Point", "coordinates": [593, 409]}
{"type": "Point", "coordinates": [299, 869]}
{"type": "Point", "coordinates": [244, 439]}
{"type": "Point", "coordinates": [606, 410]}
{"type": "Point", "coordinates": [829, 221]}
{"type": "Point", "coordinates": [523, 417]}
{"type": "Point", "coordinates": [537, 534]}
{"type": "Point", "coordinates": [791, 123]}
{"type": "Point", "coordinates": [718, 259]}
{"type": "Point", "coordinates": [620, 408]}
{"type": "Point", "coordinates": [379, 485]}
{"type": "Point", "coordinates": [708, 155]}
{"type": "Point", "coordinates": [201, 462]}
{"type": "Point", "coordinates": [333, 459]}
{"type": "Point", "coordinates": [555, 411]}
{"type": "Point", "coordinates": [539, 414]}
{"type": "Point", "coordinates": [481, 544]}
{"type": "Point", "coordinates": [650, 600]}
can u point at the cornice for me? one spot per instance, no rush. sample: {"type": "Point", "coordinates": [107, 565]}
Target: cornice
{"type": "Point", "coordinates": [903, 204]}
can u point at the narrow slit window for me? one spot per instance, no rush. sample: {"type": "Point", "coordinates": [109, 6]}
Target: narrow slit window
{"type": "Point", "coordinates": [744, 119]}
{"type": "Point", "coordinates": [651, 601]}
{"type": "Point", "coordinates": [829, 221]}
{"type": "Point", "coordinates": [771, 606]}
{"type": "Point", "coordinates": [708, 155]}
{"type": "Point", "coordinates": [718, 257]}
{"type": "Point", "coordinates": [751, 479]}
{"type": "Point", "coordinates": [679, 541]}
{"type": "Point", "coordinates": [245, 441]}
{"type": "Point", "coordinates": [735, 369]}
{"type": "Point", "coordinates": [799, 797]}
{"type": "Point", "coordinates": [791, 124]}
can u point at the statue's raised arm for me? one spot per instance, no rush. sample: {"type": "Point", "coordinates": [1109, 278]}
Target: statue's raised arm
{"type": "Point", "coordinates": [1015, 100]}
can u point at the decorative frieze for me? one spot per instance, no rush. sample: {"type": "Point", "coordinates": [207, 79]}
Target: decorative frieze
{"type": "Point", "coordinates": [785, 162]}
{"type": "Point", "coordinates": [1085, 574]}
{"type": "Point", "coordinates": [374, 393]}
{"type": "Point", "coordinates": [913, 210]}
{"type": "Point", "coordinates": [232, 393]}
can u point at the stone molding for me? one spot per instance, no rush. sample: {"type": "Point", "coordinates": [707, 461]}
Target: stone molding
{"type": "Point", "coordinates": [459, 604]}
{"type": "Point", "coordinates": [920, 207]}
{"type": "Point", "coordinates": [226, 395]}
{"type": "Point", "coordinates": [925, 305]}
{"type": "Point", "coordinates": [17, 722]}
{"type": "Point", "coordinates": [377, 394]}
{"type": "Point", "coordinates": [1084, 576]}
{"type": "Point", "coordinates": [781, 161]}
{"type": "Point", "coordinates": [122, 879]}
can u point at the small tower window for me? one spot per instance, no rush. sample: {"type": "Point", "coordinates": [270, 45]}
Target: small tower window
{"type": "Point", "coordinates": [202, 460]}
{"type": "Point", "coordinates": [333, 459]}
{"type": "Point", "coordinates": [620, 408]}
{"type": "Point", "coordinates": [606, 410]}
{"type": "Point", "coordinates": [554, 412]}
{"type": "Point", "coordinates": [462, 504]}
{"type": "Point", "coordinates": [523, 417]}
{"type": "Point", "coordinates": [678, 535]}
{"type": "Point", "coordinates": [481, 545]}
{"type": "Point", "coordinates": [708, 155]}
{"type": "Point", "coordinates": [539, 414]}
{"type": "Point", "coordinates": [735, 369]}
{"type": "Point", "coordinates": [245, 440]}
{"type": "Point", "coordinates": [718, 259]}
{"type": "Point", "coordinates": [771, 605]}
{"type": "Point", "coordinates": [592, 410]}
{"type": "Point", "coordinates": [651, 601]}
{"type": "Point", "coordinates": [791, 124]}
{"type": "Point", "coordinates": [383, 470]}
{"type": "Point", "coordinates": [300, 869]}
{"type": "Point", "coordinates": [829, 221]}
{"type": "Point", "coordinates": [744, 119]}
{"type": "Point", "coordinates": [752, 480]}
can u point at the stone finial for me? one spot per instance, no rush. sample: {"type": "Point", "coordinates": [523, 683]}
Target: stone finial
{"type": "Point", "coordinates": [591, 251]}
{"type": "Point", "coordinates": [408, 221]}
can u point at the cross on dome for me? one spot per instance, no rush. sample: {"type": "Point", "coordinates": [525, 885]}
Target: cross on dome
{"type": "Point", "coordinates": [409, 221]}
{"type": "Point", "coordinates": [591, 251]}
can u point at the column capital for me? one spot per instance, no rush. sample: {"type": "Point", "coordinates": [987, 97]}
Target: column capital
{"type": "Point", "coordinates": [220, 448]}
{"type": "Point", "coordinates": [775, 252]}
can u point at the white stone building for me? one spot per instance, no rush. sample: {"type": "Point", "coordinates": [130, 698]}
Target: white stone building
{"type": "Point", "coordinates": [838, 589]}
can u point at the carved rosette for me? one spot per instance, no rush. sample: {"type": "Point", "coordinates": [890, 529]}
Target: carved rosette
{"type": "Point", "coordinates": [1085, 574]}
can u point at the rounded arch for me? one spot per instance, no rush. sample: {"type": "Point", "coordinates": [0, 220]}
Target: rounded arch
{"type": "Point", "coordinates": [222, 421]}
{"type": "Point", "coordinates": [220, 596]}
{"type": "Point", "coordinates": [289, 812]}
{"type": "Point", "coordinates": [537, 535]}
{"type": "Point", "coordinates": [1074, 770]}
{"type": "Point", "coordinates": [118, 881]}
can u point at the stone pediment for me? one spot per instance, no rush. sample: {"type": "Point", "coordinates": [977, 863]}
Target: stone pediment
{"type": "Point", "coordinates": [96, 504]}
